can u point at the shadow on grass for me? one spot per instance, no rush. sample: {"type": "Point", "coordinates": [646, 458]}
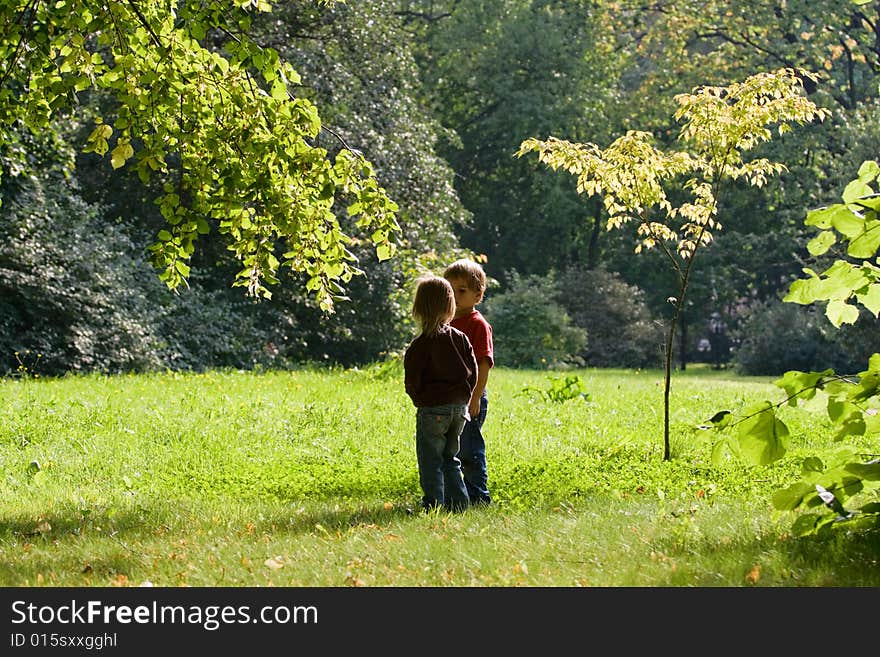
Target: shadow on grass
{"type": "Point", "coordinates": [838, 559]}
{"type": "Point", "coordinates": [94, 548]}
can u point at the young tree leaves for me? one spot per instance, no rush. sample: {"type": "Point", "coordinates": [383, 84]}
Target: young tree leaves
{"type": "Point", "coordinates": [632, 176]}
{"type": "Point", "coordinates": [853, 402]}
{"type": "Point", "coordinates": [762, 435]}
{"type": "Point", "coordinates": [846, 283]}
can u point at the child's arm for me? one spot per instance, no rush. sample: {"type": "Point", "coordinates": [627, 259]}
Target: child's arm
{"type": "Point", "coordinates": [483, 367]}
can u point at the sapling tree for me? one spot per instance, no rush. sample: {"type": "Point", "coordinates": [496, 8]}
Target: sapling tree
{"type": "Point", "coordinates": [635, 178]}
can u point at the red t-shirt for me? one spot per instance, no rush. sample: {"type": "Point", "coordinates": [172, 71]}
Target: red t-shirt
{"type": "Point", "coordinates": [479, 332]}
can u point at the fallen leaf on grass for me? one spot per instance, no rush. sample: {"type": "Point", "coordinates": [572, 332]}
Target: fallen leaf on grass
{"type": "Point", "coordinates": [754, 574]}
{"type": "Point", "coordinates": [274, 563]}
{"type": "Point", "coordinates": [120, 580]}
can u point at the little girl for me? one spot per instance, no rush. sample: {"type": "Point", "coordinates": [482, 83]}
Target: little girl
{"type": "Point", "coordinates": [440, 372]}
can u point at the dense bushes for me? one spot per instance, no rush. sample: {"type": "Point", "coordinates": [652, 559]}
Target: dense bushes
{"type": "Point", "coordinates": [68, 280]}
{"type": "Point", "coordinates": [531, 328]}
{"type": "Point", "coordinates": [583, 317]}
{"type": "Point", "coordinates": [615, 315]}
{"type": "Point", "coordinates": [777, 337]}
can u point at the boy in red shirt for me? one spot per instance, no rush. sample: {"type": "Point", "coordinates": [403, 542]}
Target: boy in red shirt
{"type": "Point", "coordinates": [468, 282]}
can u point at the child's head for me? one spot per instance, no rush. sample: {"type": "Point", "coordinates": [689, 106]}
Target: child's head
{"type": "Point", "coordinates": [469, 272]}
{"type": "Point", "coordinates": [468, 283]}
{"type": "Point", "coordinates": [434, 304]}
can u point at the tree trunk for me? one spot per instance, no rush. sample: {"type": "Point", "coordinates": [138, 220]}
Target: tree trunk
{"type": "Point", "coordinates": [682, 342]}
{"type": "Point", "coordinates": [593, 244]}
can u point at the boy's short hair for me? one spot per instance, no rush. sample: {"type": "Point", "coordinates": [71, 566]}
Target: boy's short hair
{"type": "Point", "coordinates": [470, 271]}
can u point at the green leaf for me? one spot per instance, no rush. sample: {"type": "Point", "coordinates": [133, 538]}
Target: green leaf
{"type": "Point", "coordinates": [384, 251]}
{"type": "Point", "coordinates": [806, 524]}
{"type": "Point", "coordinates": [865, 244]}
{"type": "Point", "coordinates": [279, 90]}
{"type": "Point", "coordinates": [801, 385]}
{"type": "Point", "coordinates": [869, 169]}
{"type": "Point", "coordinates": [855, 190]}
{"type": "Point", "coordinates": [852, 426]}
{"type": "Point", "coordinates": [864, 471]}
{"type": "Point", "coordinates": [840, 312]}
{"type": "Point", "coordinates": [812, 464]}
{"type": "Point", "coordinates": [821, 243]}
{"type": "Point", "coordinates": [871, 298]}
{"type": "Point", "coordinates": [823, 218]}
{"type": "Point", "coordinates": [848, 223]}
{"type": "Point", "coordinates": [724, 448]}
{"type": "Point", "coordinates": [792, 497]}
{"type": "Point", "coordinates": [121, 154]}
{"type": "Point", "coordinates": [762, 435]}
{"type": "Point", "coordinates": [721, 419]}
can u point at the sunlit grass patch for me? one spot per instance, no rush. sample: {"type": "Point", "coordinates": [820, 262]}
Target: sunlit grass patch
{"type": "Point", "coordinates": [309, 478]}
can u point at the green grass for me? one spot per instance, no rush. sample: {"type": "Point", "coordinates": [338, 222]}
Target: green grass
{"type": "Point", "coordinates": [306, 479]}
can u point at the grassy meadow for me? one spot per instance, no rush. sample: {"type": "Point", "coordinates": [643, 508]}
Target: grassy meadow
{"type": "Point", "coordinates": [309, 478]}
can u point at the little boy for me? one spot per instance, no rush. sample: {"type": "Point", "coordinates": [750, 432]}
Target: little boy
{"type": "Point", "coordinates": [468, 282]}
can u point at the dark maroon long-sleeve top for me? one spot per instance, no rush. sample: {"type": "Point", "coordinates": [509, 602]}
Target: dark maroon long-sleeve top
{"type": "Point", "coordinates": [440, 369]}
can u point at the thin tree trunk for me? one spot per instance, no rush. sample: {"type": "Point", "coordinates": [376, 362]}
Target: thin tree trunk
{"type": "Point", "coordinates": [593, 244]}
{"type": "Point", "coordinates": [667, 379]}
{"type": "Point", "coordinates": [682, 343]}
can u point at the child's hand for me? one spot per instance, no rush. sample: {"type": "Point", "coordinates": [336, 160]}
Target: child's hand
{"type": "Point", "coordinates": [474, 408]}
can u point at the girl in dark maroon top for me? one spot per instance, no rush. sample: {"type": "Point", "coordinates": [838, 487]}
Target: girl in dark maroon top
{"type": "Point", "coordinates": [440, 372]}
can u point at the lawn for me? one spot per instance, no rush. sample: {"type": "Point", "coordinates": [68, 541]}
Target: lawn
{"type": "Point", "coordinates": [308, 478]}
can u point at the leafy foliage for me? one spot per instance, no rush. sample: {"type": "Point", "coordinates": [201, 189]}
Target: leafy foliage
{"type": "Point", "coordinates": [495, 73]}
{"type": "Point", "coordinates": [561, 389]}
{"type": "Point", "coordinates": [200, 104]}
{"type": "Point", "coordinates": [78, 296]}
{"type": "Point", "coordinates": [777, 337]}
{"type": "Point", "coordinates": [682, 41]}
{"type": "Point", "coordinates": [622, 331]}
{"type": "Point", "coordinates": [840, 489]}
{"type": "Point", "coordinates": [69, 306]}
{"type": "Point", "coordinates": [845, 283]}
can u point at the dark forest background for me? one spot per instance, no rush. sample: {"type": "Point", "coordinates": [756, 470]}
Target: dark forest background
{"type": "Point", "coordinates": [439, 96]}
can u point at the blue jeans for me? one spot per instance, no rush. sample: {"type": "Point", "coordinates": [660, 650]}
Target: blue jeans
{"type": "Point", "coordinates": [437, 432]}
{"type": "Point", "coordinates": [472, 453]}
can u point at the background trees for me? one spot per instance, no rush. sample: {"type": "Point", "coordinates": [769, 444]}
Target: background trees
{"type": "Point", "coordinates": [437, 96]}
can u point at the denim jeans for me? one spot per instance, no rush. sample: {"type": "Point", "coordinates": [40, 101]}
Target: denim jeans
{"type": "Point", "coordinates": [472, 453]}
{"type": "Point", "coordinates": [437, 432]}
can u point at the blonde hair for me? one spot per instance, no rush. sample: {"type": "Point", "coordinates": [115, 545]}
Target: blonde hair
{"type": "Point", "coordinates": [434, 304]}
{"type": "Point", "coordinates": [470, 271]}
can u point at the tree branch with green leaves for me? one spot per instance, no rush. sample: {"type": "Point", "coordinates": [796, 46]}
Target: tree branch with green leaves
{"type": "Point", "coordinates": [837, 486]}
{"type": "Point", "coordinates": [227, 122]}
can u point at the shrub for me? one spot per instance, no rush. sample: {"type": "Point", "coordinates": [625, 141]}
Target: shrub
{"type": "Point", "coordinates": [531, 328]}
{"type": "Point", "coordinates": [777, 337]}
{"type": "Point", "coordinates": [622, 331]}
